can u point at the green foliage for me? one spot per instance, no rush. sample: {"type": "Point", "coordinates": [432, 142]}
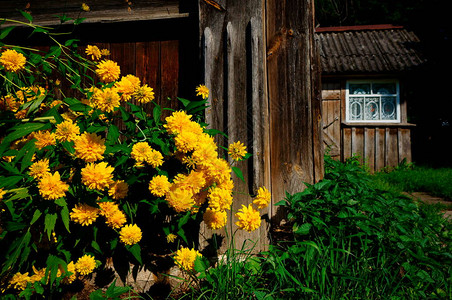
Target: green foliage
{"type": "Point", "coordinates": [413, 178]}
{"type": "Point", "coordinates": [351, 240]}
{"type": "Point", "coordinates": [42, 237]}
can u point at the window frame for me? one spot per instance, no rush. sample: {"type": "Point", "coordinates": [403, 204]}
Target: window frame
{"type": "Point", "coordinates": [371, 82]}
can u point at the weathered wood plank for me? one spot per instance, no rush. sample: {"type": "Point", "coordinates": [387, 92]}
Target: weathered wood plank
{"type": "Point", "coordinates": [380, 153]}
{"type": "Point", "coordinates": [169, 70]}
{"type": "Point", "coordinates": [228, 70]}
{"type": "Point", "coordinates": [358, 142]}
{"type": "Point", "coordinates": [392, 154]}
{"type": "Point", "coordinates": [404, 140]}
{"type": "Point", "coordinates": [289, 64]}
{"type": "Point", "coordinates": [369, 148]}
{"type": "Point", "coordinates": [44, 12]}
{"type": "Point", "coordinates": [346, 143]}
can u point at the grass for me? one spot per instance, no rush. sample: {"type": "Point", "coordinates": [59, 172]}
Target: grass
{"type": "Point", "coordinates": [349, 238]}
{"type": "Point", "coordinates": [412, 178]}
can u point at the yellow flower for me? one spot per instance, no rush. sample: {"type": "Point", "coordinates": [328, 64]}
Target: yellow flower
{"type": "Point", "coordinates": [248, 218]}
{"type": "Point", "coordinates": [130, 234]}
{"type": "Point", "coordinates": [127, 86]}
{"type": "Point", "coordinates": [155, 158]}
{"type": "Point", "coordinates": [90, 147]}
{"type": "Point", "coordinates": [9, 103]}
{"type": "Point", "coordinates": [118, 190]}
{"type": "Point", "coordinates": [116, 220]}
{"type": "Point", "coordinates": [44, 139]}
{"type": "Point", "coordinates": [263, 198]}
{"type": "Point", "coordinates": [37, 274]}
{"type": "Point", "coordinates": [85, 7]}
{"type": "Point", "coordinates": [2, 193]}
{"type": "Point", "coordinates": [237, 150]}
{"type": "Point", "coordinates": [39, 168]}
{"type": "Point", "coordinates": [177, 121]}
{"type": "Point", "coordinates": [107, 208]}
{"type": "Point", "coordinates": [108, 71]}
{"type": "Point", "coordinates": [194, 181]}
{"type": "Point", "coordinates": [144, 94]}
{"type": "Point", "coordinates": [159, 185]}
{"type": "Point", "coordinates": [84, 214]}
{"type": "Point", "coordinates": [19, 281]}
{"type": "Point", "coordinates": [180, 200]}
{"type": "Point", "coordinates": [215, 219]}
{"type": "Point", "coordinates": [202, 91]}
{"type": "Point", "coordinates": [12, 60]}
{"type": "Point", "coordinates": [203, 155]}
{"type": "Point", "coordinates": [97, 176]}
{"type": "Point", "coordinates": [170, 238]}
{"type": "Point", "coordinates": [27, 94]}
{"type": "Point", "coordinates": [220, 199]}
{"type": "Point", "coordinates": [92, 50]}
{"type": "Point", "coordinates": [106, 100]}
{"type": "Point", "coordinates": [186, 141]}
{"type": "Point", "coordinates": [185, 258]}
{"type": "Point", "coordinates": [51, 187]}
{"type": "Point", "coordinates": [140, 151]}
{"type": "Point", "coordinates": [105, 52]}
{"type": "Point", "coordinates": [85, 264]}
{"type": "Point", "coordinates": [69, 278]}
{"type": "Point", "coordinates": [67, 131]}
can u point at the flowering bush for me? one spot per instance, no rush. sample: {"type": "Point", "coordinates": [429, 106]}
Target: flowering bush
{"type": "Point", "coordinates": [93, 177]}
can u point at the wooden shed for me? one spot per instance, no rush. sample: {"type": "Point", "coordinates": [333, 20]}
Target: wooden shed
{"type": "Point", "coordinates": [257, 57]}
{"type": "Point", "coordinates": [367, 74]}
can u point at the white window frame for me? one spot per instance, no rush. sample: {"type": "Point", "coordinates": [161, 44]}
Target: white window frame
{"type": "Point", "coordinates": [372, 81]}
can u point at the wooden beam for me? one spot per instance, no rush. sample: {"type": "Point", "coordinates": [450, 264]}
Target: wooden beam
{"type": "Point", "coordinates": [45, 12]}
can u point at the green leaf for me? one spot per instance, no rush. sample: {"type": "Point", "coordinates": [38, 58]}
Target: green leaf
{"type": "Point", "coordinates": [27, 16]}
{"type": "Point", "coordinates": [238, 173]}
{"type": "Point", "coordinates": [65, 217]}
{"type": "Point", "coordinates": [157, 112]}
{"type": "Point", "coordinates": [303, 229]}
{"type": "Point", "coordinates": [113, 134]}
{"type": "Point", "coordinates": [5, 31]}
{"type": "Point", "coordinates": [136, 252]}
{"type": "Point", "coordinates": [20, 131]}
{"type": "Point", "coordinates": [36, 216]}
{"type": "Point", "coordinates": [9, 181]}
{"type": "Point", "coordinates": [185, 102]}
{"type": "Point", "coordinates": [96, 246]}
{"type": "Point", "coordinates": [49, 223]}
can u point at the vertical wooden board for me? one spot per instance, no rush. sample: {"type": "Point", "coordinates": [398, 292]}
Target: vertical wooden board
{"type": "Point", "coordinates": [169, 72]}
{"type": "Point", "coordinates": [346, 144]}
{"type": "Point", "coordinates": [147, 68]}
{"type": "Point", "coordinates": [380, 136]}
{"type": "Point", "coordinates": [289, 83]}
{"type": "Point", "coordinates": [124, 55]}
{"type": "Point", "coordinates": [331, 127]}
{"type": "Point", "coordinates": [227, 62]}
{"type": "Point", "coordinates": [392, 149]}
{"type": "Point", "coordinates": [369, 148]}
{"type": "Point", "coordinates": [147, 64]}
{"type": "Point", "coordinates": [358, 142]}
{"type": "Point", "coordinates": [404, 144]}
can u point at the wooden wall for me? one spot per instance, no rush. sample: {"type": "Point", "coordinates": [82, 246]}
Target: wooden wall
{"type": "Point", "coordinates": [260, 67]}
{"type": "Point", "coordinates": [378, 145]}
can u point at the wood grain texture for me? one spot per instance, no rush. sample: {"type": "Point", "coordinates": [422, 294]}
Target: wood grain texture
{"type": "Point", "coordinates": [233, 55]}
{"type": "Point", "coordinates": [101, 11]}
{"type": "Point", "coordinates": [292, 108]}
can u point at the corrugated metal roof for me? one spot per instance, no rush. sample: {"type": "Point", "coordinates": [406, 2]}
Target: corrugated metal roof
{"type": "Point", "coordinates": [368, 49]}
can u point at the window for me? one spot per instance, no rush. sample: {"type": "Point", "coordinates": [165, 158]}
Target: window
{"type": "Point", "coordinates": [373, 101]}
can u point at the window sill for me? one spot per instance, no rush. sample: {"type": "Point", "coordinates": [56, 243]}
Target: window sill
{"type": "Point", "coordinates": [364, 124]}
